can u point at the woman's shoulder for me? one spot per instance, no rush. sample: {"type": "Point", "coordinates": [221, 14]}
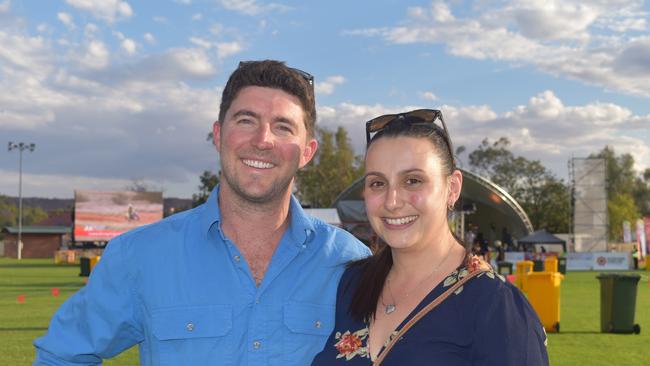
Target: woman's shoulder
{"type": "Point", "coordinates": [486, 283]}
{"type": "Point", "coordinates": [352, 273]}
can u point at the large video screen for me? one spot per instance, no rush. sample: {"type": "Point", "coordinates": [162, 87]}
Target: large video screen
{"type": "Point", "coordinates": [102, 215]}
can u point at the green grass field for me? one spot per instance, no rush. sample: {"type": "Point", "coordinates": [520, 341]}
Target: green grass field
{"type": "Point", "coordinates": [579, 343]}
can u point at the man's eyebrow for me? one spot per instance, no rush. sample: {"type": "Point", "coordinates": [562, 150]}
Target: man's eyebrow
{"type": "Point", "coordinates": [249, 113]}
{"type": "Point", "coordinates": [245, 112]}
{"type": "Point", "coordinates": [285, 120]}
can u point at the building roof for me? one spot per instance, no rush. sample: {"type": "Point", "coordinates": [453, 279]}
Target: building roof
{"type": "Point", "coordinates": [38, 230]}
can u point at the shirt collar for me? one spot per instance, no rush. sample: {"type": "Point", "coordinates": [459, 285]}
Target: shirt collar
{"type": "Point", "coordinates": [211, 213]}
{"type": "Point", "coordinates": [301, 227]}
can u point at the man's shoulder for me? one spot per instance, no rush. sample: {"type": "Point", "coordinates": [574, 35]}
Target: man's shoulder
{"type": "Point", "coordinates": [338, 241]}
{"type": "Point", "coordinates": [159, 232]}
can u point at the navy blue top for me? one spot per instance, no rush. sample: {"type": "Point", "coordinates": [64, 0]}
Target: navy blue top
{"type": "Point", "coordinates": [487, 321]}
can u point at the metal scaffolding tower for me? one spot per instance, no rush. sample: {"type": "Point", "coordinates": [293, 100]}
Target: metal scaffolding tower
{"type": "Point", "coordinates": [589, 219]}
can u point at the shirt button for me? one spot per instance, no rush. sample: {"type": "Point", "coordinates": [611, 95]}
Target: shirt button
{"type": "Point", "coordinates": [317, 324]}
{"type": "Point", "coordinates": [189, 327]}
{"type": "Point", "coordinates": [237, 258]}
{"type": "Point", "coordinates": [257, 344]}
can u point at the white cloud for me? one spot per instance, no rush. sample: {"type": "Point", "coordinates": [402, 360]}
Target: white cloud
{"type": "Point", "coordinates": [107, 10]}
{"type": "Point", "coordinates": [96, 55]}
{"type": "Point", "coordinates": [149, 38]}
{"type": "Point", "coordinates": [201, 42]}
{"type": "Point", "coordinates": [66, 19]}
{"type": "Point", "coordinates": [328, 86]}
{"type": "Point", "coordinates": [227, 49]}
{"type": "Point", "coordinates": [569, 38]}
{"type": "Point", "coordinates": [543, 129]}
{"type": "Point", "coordinates": [216, 29]}
{"type": "Point", "coordinates": [224, 49]}
{"type": "Point", "coordinates": [191, 60]}
{"type": "Point", "coordinates": [197, 16]}
{"type": "Point", "coordinates": [252, 7]}
{"type": "Point", "coordinates": [160, 19]}
{"type": "Point", "coordinates": [96, 131]}
{"type": "Point", "coordinates": [129, 46]}
{"type": "Point", "coordinates": [90, 29]}
{"type": "Point", "coordinates": [42, 28]}
{"type": "Point", "coordinates": [427, 95]}
{"type": "Point", "coordinates": [5, 7]}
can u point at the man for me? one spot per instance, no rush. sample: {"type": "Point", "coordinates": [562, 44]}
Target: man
{"type": "Point", "coordinates": [245, 279]}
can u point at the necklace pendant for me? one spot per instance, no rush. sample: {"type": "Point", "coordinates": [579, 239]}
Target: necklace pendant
{"type": "Point", "coordinates": [389, 308]}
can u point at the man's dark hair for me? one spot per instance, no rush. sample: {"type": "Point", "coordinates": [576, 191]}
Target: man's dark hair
{"type": "Point", "coordinates": [271, 74]}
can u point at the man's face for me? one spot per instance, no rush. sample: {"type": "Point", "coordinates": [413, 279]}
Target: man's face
{"type": "Point", "coordinates": [262, 143]}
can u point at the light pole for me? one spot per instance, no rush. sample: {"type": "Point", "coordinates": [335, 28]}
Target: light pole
{"type": "Point", "coordinates": [20, 146]}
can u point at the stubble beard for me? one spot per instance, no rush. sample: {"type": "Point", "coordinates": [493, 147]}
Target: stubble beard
{"type": "Point", "coordinates": [276, 191]}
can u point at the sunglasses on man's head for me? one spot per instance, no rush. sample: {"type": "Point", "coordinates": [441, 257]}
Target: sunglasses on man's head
{"type": "Point", "coordinates": [309, 78]}
{"type": "Point", "coordinates": [416, 117]}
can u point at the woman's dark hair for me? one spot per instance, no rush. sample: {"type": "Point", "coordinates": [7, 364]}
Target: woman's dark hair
{"type": "Point", "coordinates": [375, 269]}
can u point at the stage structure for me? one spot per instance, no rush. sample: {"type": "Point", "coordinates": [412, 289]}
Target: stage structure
{"type": "Point", "coordinates": [589, 219]}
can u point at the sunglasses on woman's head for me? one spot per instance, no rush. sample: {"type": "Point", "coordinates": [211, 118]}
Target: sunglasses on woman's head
{"type": "Point", "coordinates": [309, 78]}
{"type": "Point", "coordinates": [416, 117]}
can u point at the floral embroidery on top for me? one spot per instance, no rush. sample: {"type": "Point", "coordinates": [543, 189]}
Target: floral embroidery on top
{"type": "Point", "coordinates": [351, 344]}
{"type": "Point", "coordinates": [473, 263]}
{"type": "Point", "coordinates": [354, 344]}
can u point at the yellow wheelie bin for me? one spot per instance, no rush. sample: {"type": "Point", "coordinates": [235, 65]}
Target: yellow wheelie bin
{"type": "Point", "coordinates": [93, 261]}
{"type": "Point", "coordinates": [550, 264]}
{"type": "Point", "coordinates": [523, 269]}
{"type": "Point", "coordinates": [544, 296]}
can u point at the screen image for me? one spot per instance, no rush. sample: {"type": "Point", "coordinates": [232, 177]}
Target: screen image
{"type": "Point", "coordinates": [102, 215]}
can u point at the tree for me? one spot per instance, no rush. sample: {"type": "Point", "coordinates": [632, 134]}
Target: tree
{"type": "Point", "coordinates": [543, 196]}
{"type": "Point", "coordinates": [209, 180]}
{"type": "Point", "coordinates": [9, 213]}
{"type": "Point", "coordinates": [625, 187]}
{"type": "Point", "coordinates": [333, 169]}
{"type": "Point", "coordinates": [620, 208]}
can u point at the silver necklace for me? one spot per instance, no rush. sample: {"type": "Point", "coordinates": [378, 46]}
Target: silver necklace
{"type": "Point", "coordinates": [391, 307]}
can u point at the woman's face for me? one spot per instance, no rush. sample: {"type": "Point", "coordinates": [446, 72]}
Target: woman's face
{"type": "Point", "coordinates": [407, 192]}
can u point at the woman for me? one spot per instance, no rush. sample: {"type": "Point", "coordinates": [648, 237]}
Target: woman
{"type": "Point", "coordinates": [411, 186]}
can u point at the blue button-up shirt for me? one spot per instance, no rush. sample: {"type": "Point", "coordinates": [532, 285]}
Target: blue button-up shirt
{"type": "Point", "coordinates": [182, 290]}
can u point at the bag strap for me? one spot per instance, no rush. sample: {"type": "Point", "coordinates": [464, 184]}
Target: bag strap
{"type": "Point", "coordinates": [424, 312]}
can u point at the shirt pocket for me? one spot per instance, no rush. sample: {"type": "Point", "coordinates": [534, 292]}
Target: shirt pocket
{"type": "Point", "coordinates": [194, 335]}
{"type": "Point", "coordinates": [309, 325]}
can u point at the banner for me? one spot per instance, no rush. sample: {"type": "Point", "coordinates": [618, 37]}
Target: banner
{"type": "Point", "coordinates": [101, 215]}
{"type": "Point", "coordinates": [646, 221]}
{"type": "Point", "coordinates": [640, 238]}
{"type": "Point", "coordinates": [598, 261]}
{"type": "Point", "coordinates": [627, 232]}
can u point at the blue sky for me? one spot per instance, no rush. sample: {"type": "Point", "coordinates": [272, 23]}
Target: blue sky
{"type": "Point", "coordinates": [114, 91]}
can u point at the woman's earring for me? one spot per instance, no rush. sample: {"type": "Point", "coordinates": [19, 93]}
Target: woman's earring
{"type": "Point", "coordinates": [450, 206]}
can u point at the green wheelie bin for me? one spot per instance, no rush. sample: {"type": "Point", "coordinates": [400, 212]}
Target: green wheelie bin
{"type": "Point", "coordinates": [618, 302]}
